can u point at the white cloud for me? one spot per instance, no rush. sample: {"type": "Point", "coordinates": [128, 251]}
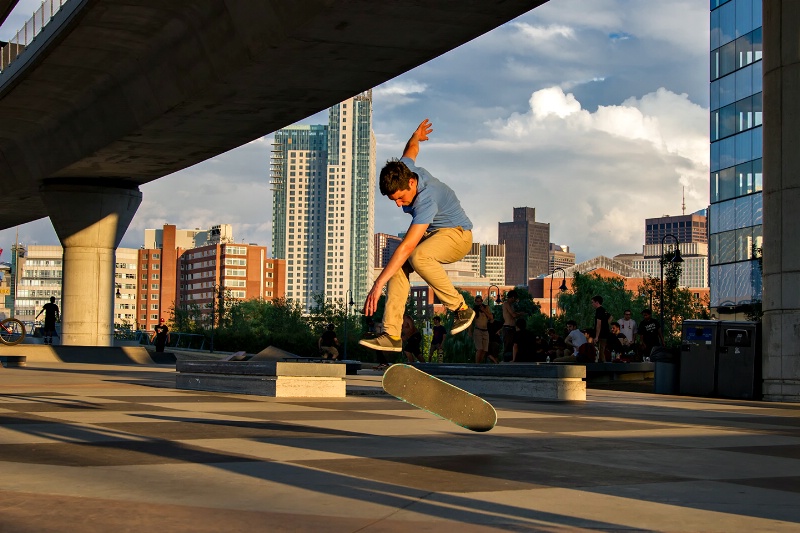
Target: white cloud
{"type": "Point", "coordinates": [594, 176]}
{"type": "Point", "coordinates": [398, 92]}
{"type": "Point", "coordinates": [538, 34]}
{"type": "Point", "coordinates": [554, 111]}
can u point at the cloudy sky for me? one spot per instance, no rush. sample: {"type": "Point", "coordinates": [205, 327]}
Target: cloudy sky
{"type": "Point", "coordinates": [593, 113]}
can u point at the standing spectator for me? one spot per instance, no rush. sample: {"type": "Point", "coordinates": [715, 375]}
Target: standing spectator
{"type": "Point", "coordinates": [412, 340]}
{"type": "Point", "coordinates": [373, 330]}
{"type": "Point", "coordinates": [328, 343]}
{"type": "Point", "coordinates": [628, 326]}
{"type": "Point", "coordinates": [510, 316]}
{"type": "Point", "coordinates": [437, 342]}
{"type": "Point", "coordinates": [649, 333]}
{"type": "Point", "coordinates": [602, 331]}
{"type": "Point", "coordinates": [160, 335]}
{"type": "Point", "coordinates": [480, 328]}
{"type": "Point", "coordinates": [50, 311]}
{"type": "Point", "coordinates": [495, 342]}
{"type": "Point", "coordinates": [523, 349]}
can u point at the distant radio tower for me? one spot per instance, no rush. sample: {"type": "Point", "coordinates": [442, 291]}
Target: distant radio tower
{"type": "Point", "coordinates": [683, 205]}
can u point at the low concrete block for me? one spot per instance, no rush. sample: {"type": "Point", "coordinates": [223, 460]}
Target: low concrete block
{"type": "Point", "coordinates": [264, 378]}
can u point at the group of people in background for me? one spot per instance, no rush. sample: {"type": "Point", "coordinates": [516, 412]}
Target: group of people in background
{"type": "Point", "coordinates": [606, 340]}
{"type": "Point", "coordinates": [510, 341]}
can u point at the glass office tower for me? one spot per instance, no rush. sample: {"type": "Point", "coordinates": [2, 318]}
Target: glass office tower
{"type": "Point", "coordinates": [735, 212]}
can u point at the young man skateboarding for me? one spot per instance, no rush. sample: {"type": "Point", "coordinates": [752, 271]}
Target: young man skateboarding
{"type": "Point", "coordinates": [440, 233]}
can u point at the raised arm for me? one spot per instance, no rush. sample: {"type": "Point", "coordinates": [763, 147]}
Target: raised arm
{"type": "Point", "coordinates": [420, 134]}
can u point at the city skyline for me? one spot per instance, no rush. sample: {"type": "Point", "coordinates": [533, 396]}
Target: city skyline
{"type": "Point", "coordinates": [594, 116]}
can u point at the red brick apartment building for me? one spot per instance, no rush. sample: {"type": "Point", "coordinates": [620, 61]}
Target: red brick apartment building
{"type": "Point", "coordinates": [172, 277]}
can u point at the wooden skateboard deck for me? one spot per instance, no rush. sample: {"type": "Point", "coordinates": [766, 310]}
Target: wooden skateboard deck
{"type": "Point", "coordinates": [439, 397]}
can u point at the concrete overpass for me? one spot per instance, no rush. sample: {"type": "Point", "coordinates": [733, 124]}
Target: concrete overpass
{"type": "Point", "coordinates": [111, 95]}
{"type": "Point", "coordinates": [6, 6]}
{"type": "Point", "coordinates": [115, 94]}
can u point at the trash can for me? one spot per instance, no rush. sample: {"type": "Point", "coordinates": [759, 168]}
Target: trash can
{"type": "Point", "coordinates": [698, 361]}
{"type": "Point", "coordinates": [665, 380]}
{"type": "Point", "coordinates": [739, 361]}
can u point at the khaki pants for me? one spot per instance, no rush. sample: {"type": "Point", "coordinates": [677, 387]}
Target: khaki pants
{"type": "Point", "coordinates": [438, 248]}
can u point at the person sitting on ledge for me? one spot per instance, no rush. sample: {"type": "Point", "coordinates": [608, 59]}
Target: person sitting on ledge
{"type": "Point", "coordinates": [587, 352]}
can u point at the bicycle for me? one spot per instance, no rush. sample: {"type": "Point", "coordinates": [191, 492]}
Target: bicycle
{"type": "Point", "coordinates": [12, 331]}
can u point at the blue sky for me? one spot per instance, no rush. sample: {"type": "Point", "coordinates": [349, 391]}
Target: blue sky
{"type": "Point", "coordinates": [593, 113]}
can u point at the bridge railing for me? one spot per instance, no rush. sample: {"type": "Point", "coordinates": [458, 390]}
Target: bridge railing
{"type": "Point", "coordinates": [29, 31]}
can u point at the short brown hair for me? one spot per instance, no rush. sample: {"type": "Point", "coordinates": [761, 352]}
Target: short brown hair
{"type": "Point", "coordinates": [394, 177]}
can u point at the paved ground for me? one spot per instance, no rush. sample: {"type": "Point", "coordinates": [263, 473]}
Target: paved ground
{"type": "Point", "coordinates": [115, 448]}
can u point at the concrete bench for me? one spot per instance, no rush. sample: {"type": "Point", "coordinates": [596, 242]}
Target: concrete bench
{"type": "Point", "coordinates": [608, 372]}
{"type": "Point", "coordinates": [280, 379]}
{"type": "Point", "coordinates": [11, 361]}
{"type": "Point", "coordinates": [526, 380]}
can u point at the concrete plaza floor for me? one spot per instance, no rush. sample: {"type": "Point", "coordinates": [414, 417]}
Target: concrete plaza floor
{"type": "Point", "coordinates": [116, 448]}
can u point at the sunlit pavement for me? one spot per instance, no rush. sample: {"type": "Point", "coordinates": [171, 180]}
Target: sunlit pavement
{"type": "Point", "coordinates": [116, 448]}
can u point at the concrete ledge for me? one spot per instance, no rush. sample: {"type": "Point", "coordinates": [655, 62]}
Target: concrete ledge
{"type": "Point", "coordinates": [529, 370]}
{"type": "Point", "coordinates": [264, 378]}
{"type": "Point", "coordinates": [45, 353]}
{"type": "Point", "coordinates": [278, 387]}
{"type": "Point", "coordinates": [262, 368]}
{"type": "Point", "coordinates": [527, 380]}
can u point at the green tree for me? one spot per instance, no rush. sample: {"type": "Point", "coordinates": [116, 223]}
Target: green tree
{"type": "Point", "coordinates": [577, 304]}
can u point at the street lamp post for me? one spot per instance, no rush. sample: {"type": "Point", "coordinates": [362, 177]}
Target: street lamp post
{"type": "Point", "coordinates": [348, 295]}
{"type": "Point", "coordinates": [562, 288]}
{"type": "Point", "coordinates": [676, 258]}
{"type": "Point", "coordinates": [213, 312]}
{"type": "Point", "coordinates": [498, 300]}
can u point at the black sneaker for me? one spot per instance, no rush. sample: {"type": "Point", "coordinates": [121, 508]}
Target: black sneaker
{"type": "Point", "coordinates": [463, 318]}
{"type": "Point", "coordinates": [383, 342]}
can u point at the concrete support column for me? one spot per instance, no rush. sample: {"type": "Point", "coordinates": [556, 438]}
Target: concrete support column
{"type": "Point", "coordinates": [781, 269]}
{"type": "Point", "coordinates": [90, 222]}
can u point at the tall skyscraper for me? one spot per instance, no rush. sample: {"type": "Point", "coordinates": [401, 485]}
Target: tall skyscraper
{"type": "Point", "coordinates": [735, 213]}
{"type": "Point", "coordinates": [527, 246]}
{"type": "Point", "coordinates": [323, 181]}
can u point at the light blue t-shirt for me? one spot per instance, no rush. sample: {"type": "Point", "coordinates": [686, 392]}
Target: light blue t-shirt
{"type": "Point", "coordinates": [436, 204]}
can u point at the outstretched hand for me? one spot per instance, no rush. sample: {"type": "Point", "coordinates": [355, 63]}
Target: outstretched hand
{"type": "Point", "coordinates": [423, 130]}
{"type": "Point", "coordinates": [371, 303]}
{"type": "Point", "coordinates": [420, 134]}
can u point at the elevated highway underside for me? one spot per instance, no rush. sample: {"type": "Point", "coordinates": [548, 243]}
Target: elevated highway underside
{"type": "Point", "coordinates": [117, 94]}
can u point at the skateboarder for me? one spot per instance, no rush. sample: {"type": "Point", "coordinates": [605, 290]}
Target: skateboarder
{"type": "Point", "coordinates": [440, 233]}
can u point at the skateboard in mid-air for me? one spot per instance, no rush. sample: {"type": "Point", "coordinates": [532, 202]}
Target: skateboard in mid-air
{"type": "Point", "coordinates": [439, 397]}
